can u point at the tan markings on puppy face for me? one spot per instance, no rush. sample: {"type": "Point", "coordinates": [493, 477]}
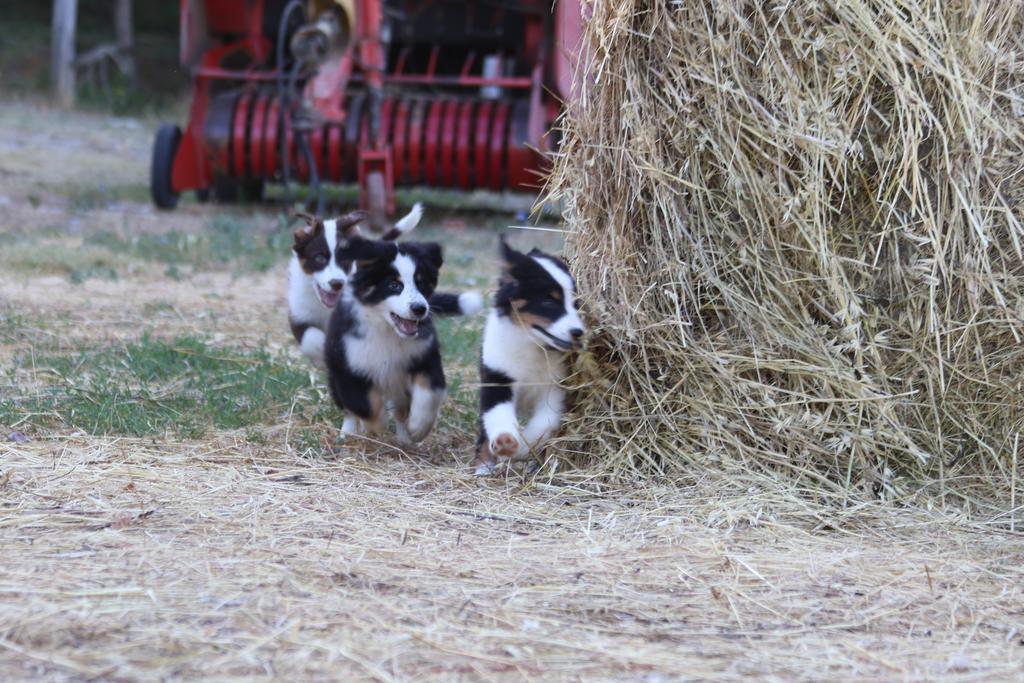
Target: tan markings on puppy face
{"type": "Point", "coordinates": [523, 318]}
{"type": "Point", "coordinates": [309, 244]}
{"type": "Point", "coordinates": [311, 248]}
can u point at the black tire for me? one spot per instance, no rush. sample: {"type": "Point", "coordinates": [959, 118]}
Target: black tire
{"type": "Point", "coordinates": [165, 146]}
{"type": "Point", "coordinates": [203, 195]}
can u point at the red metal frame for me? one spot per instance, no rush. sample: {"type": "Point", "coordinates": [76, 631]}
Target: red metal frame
{"type": "Point", "coordinates": [437, 126]}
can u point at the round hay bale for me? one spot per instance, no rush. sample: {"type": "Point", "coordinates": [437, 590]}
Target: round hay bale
{"type": "Point", "coordinates": [798, 230]}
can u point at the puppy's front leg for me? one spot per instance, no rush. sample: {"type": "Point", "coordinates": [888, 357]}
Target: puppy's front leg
{"type": "Point", "coordinates": [547, 415]}
{"type": "Point", "coordinates": [400, 411]}
{"type": "Point", "coordinates": [374, 421]}
{"type": "Point", "coordinates": [312, 346]}
{"type": "Point", "coordinates": [427, 392]}
{"type": "Point", "coordinates": [424, 408]}
{"type": "Point", "coordinates": [499, 430]}
{"type": "Point", "coordinates": [361, 401]}
{"type": "Point", "coordinates": [351, 425]}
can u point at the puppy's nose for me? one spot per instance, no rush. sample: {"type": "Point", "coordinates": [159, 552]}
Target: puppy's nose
{"type": "Point", "coordinates": [418, 309]}
{"type": "Point", "coordinates": [576, 333]}
{"type": "Point", "coordinates": [336, 284]}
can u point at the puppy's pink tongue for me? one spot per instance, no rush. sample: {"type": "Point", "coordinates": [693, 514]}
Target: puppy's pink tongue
{"type": "Point", "coordinates": [329, 299]}
{"type": "Point", "coordinates": [408, 327]}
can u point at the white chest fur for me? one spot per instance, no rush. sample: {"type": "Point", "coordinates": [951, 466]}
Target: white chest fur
{"type": "Point", "coordinates": [304, 306]}
{"type": "Point", "coordinates": [510, 349]}
{"type": "Point", "coordinates": [374, 350]}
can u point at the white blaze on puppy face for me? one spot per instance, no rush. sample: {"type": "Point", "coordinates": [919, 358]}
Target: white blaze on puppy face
{"type": "Point", "coordinates": [408, 305]}
{"type": "Point", "coordinates": [325, 279]}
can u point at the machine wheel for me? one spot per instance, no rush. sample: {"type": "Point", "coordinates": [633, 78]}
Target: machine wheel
{"type": "Point", "coordinates": [203, 195]}
{"type": "Point", "coordinates": [165, 146]}
{"type": "Point", "coordinates": [376, 198]}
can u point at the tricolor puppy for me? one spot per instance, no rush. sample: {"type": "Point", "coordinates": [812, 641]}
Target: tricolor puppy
{"type": "Point", "coordinates": [381, 347]}
{"type": "Point", "coordinates": [320, 267]}
{"type": "Point", "coordinates": [530, 330]}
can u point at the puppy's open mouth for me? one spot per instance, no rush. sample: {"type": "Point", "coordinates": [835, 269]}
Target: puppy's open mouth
{"type": "Point", "coordinates": [555, 342]}
{"type": "Point", "coordinates": [405, 326]}
{"type": "Point", "coordinates": [328, 297]}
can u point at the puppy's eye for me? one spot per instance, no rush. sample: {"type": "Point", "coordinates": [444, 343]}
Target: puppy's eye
{"type": "Point", "coordinates": [395, 286]}
{"type": "Point", "coordinates": [320, 260]}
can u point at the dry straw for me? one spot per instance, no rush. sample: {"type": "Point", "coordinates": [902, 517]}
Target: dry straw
{"type": "Point", "coordinates": [798, 225]}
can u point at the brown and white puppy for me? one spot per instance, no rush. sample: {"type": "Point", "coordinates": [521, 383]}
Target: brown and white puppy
{"type": "Point", "coordinates": [319, 270]}
{"type": "Point", "coordinates": [320, 267]}
{"type": "Point", "coordinates": [530, 330]}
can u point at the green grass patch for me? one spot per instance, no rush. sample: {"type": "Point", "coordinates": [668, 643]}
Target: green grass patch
{"type": "Point", "coordinates": [85, 198]}
{"type": "Point", "coordinates": [186, 387]}
{"type": "Point", "coordinates": [183, 386]}
{"type": "Point", "coordinates": [11, 325]}
{"type": "Point", "coordinates": [460, 349]}
{"type": "Point", "coordinates": [38, 255]}
{"type": "Point", "coordinates": [228, 240]}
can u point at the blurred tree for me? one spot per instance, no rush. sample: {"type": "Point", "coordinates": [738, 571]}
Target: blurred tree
{"type": "Point", "coordinates": [62, 53]}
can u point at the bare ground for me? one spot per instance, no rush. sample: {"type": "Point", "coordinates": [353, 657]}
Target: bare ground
{"type": "Point", "coordinates": [239, 558]}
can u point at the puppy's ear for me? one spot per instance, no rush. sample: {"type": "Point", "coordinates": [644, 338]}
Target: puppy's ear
{"type": "Point", "coordinates": [508, 254]}
{"type": "Point", "coordinates": [304, 233]}
{"type": "Point", "coordinates": [509, 259]}
{"type": "Point", "coordinates": [348, 224]}
{"type": "Point", "coordinates": [432, 253]}
{"type": "Point", "coordinates": [366, 252]}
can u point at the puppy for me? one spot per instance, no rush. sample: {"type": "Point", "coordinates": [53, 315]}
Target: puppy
{"type": "Point", "coordinates": [530, 330]}
{"type": "Point", "coordinates": [381, 347]}
{"type": "Point", "coordinates": [320, 267]}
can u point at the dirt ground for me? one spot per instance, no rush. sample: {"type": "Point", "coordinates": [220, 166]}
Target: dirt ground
{"type": "Point", "coordinates": [246, 554]}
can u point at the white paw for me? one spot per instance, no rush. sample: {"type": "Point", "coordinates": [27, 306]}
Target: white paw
{"type": "Point", "coordinates": [422, 419]}
{"type": "Point", "coordinates": [352, 426]}
{"type": "Point", "coordinates": [507, 445]}
{"type": "Point", "coordinates": [402, 434]}
{"type": "Point", "coordinates": [485, 469]}
{"type": "Point", "coordinates": [419, 430]}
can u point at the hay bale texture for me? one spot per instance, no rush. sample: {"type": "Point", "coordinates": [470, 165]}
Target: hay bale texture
{"type": "Point", "coordinates": [797, 226]}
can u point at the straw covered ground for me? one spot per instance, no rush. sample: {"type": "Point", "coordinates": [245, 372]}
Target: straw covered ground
{"type": "Point", "coordinates": [174, 504]}
{"type": "Point", "coordinates": [125, 559]}
{"type": "Point", "coordinates": [799, 228]}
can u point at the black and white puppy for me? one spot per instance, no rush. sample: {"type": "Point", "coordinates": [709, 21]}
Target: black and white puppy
{"type": "Point", "coordinates": [320, 267]}
{"type": "Point", "coordinates": [382, 348]}
{"type": "Point", "coordinates": [530, 330]}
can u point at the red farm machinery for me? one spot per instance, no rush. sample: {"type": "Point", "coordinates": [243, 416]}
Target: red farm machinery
{"type": "Point", "coordinates": [382, 93]}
